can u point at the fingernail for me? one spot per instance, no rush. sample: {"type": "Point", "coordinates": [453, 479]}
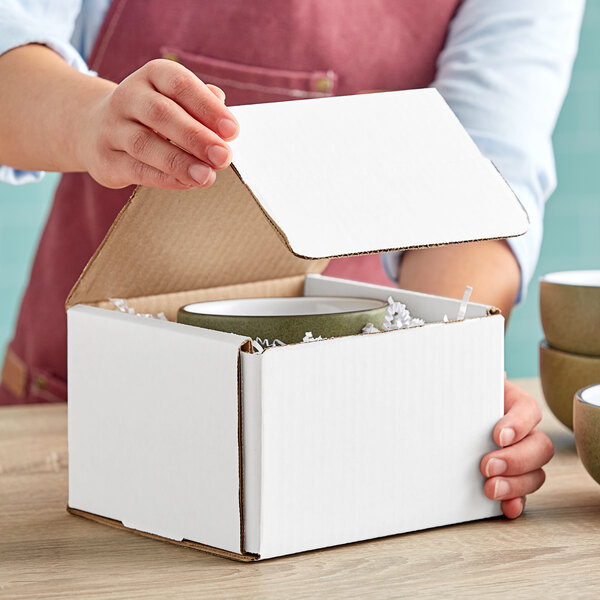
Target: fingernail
{"type": "Point", "coordinates": [507, 435]}
{"type": "Point", "coordinates": [495, 466]}
{"type": "Point", "coordinates": [218, 155]}
{"type": "Point", "coordinates": [227, 128]}
{"type": "Point", "coordinates": [200, 173]}
{"type": "Point", "coordinates": [501, 488]}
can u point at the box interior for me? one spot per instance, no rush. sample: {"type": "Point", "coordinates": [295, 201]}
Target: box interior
{"type": "Point", "coordinates": [432, 309]}
{"type": "Point", "coordinates": [169, 303]}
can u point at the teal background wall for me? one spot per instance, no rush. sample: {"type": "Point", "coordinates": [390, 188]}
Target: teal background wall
{"type": "Point", "coordinates": [572, 220]}
{"type": "Point", "coordinates": [571, 241]}
{"type": "Point", "coordinates": [23, 211]}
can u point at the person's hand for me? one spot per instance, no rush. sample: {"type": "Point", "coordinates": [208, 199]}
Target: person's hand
{"type": "Point", "coordinates": [127, 129]}
{"type": "Point", "coordinates": [516, 469]}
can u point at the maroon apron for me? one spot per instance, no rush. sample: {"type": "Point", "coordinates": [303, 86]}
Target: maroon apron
{"type": "Point", "coordinates": [256, 51]}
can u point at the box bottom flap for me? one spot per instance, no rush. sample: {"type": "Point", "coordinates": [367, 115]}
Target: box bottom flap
{"type": "Point", "coordinates": [186, 543]}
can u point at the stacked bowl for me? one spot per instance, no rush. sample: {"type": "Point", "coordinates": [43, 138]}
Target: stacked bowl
{"type": "Point", "coordinates": [570, 355]}
{"type": "Point", "coordinates": [586, 421]}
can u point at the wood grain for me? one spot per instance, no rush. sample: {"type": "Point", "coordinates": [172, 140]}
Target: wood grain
{"type": "Point", "coordinates": [552, 551]}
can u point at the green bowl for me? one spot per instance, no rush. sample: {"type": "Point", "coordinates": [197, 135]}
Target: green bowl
{"type": "Point", "coordinates": [586, 417]}
{"type": "Point", "coordinates": [562, 374]}
{"type": "Point", "coordinates": [570, 311]}
{"type": "Point", "coordinates": [286, 319]}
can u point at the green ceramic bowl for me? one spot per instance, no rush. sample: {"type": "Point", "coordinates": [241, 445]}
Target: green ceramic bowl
{"type": "Point", "coordinates": [286, 319]}
{"type": "Point", "coordinates": [570, 311]}
{"type": "Point", "coordinates": [562, 374]}
{"type": "Point", "coordinates": [586, 417]}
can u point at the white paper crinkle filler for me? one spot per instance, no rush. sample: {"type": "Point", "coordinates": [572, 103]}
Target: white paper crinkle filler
{"type": "Point", "coordinates": [309, 337]}
{"type": "Point", "coordinates": [122, 305]}
{"type": "Point", "coordinates": [462, 309]}
{"type": "Point", "coordinates": [397, 316]}
{"type": "Point", "coordinates": [260, 344]}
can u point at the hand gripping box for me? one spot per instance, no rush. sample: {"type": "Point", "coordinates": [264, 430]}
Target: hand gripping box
{"type": "Point", "coordinates": [185, 434]}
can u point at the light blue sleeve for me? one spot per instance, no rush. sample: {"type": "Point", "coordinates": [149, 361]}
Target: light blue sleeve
{"type": "Point", "coordinates": [505, 70]}
{"type": "Point", "coordinates": [38, 21]}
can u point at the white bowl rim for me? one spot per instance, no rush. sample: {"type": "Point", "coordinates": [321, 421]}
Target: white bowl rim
{"type": "Point", "coordinates": [585, 278]}
{"type": "Point", "coordinates": [590, 395]}
{"type": "Point", "coordinates": [204, 307]}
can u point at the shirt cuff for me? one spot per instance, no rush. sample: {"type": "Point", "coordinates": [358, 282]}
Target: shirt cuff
{"type": "Point", "coordinates": [19, 177]}
{"type": "Point", "coordinates": [391, 264]}
{"type": "Point", "coordinates": [526, 248]}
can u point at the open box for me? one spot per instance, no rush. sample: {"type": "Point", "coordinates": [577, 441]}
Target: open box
{"type": "Point", "coordinates": [183, 433]}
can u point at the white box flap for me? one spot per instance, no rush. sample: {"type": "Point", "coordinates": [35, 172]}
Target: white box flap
{"type": "Point", "coordinates": [372, 172]}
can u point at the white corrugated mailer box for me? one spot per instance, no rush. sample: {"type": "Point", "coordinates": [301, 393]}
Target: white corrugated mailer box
{"type": "Point", "coordinates": [186, 434]}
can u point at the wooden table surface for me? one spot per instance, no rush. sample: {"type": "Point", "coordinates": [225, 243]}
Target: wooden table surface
{"type": "Point", "coordinates": [552, 551]}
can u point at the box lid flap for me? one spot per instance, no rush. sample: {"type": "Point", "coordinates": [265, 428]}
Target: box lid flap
{"type": "Point", "coordinates": [327, 177]}
{"type": "Point", "coordinates": [372, 172]}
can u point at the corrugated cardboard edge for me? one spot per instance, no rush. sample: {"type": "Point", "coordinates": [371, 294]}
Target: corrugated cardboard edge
{"type": "Point", "coordinates": [245, 347]}
{"type": "Point", "coordinates": [286, 241]}
{"type": "Point", "coordinates": [185, 543]}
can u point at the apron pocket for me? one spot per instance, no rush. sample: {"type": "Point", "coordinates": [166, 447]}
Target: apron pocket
{"type": "Point", "coordinates": [249, 84]}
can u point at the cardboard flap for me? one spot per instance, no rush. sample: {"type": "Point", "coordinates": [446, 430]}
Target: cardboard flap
{"type": "Point", "coordinates": [169, 241]}
{"type": "Point", "coordinates": [372, 172]}
{"type": "Point", "coordinates": [327, 177]}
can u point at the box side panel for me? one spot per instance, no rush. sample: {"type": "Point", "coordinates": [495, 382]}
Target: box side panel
{"type": "Point", "coordinates": [378, 434]}
{"type": "Point", "coordinates": [153, 425]}
{"type": "Point", "coordinates": [427, 306]}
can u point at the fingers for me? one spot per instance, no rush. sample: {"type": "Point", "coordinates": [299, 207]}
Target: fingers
{"type": "Point", "coordinates": [147, 147]}
{"type": "Point", "coordinates": [515, 470]}
{"type": "Point", "coordinates": [513, 508]}
{"type": "Point", "coordinates": [168, 118]}
{"type": "Point", "coordinates": [127, 170]}
{"type": "Point", "coordinates": [177, 83]}
{"type": "Point", "coordinates": [530, 454]}
{"type": "Point", "coordinates": [164, 117]}
{"type": "Point", "coordinates": [507, 488]}
{"type": "Point", "coordinates": [522, 414]}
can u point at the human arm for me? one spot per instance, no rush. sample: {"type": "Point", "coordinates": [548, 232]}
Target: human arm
{"type": "Point", "coordinates": [116, 132]}
{"type": "Point", "coordinates": [489, 267]}
{"type": "Point", "coordinates": [504, 71]}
